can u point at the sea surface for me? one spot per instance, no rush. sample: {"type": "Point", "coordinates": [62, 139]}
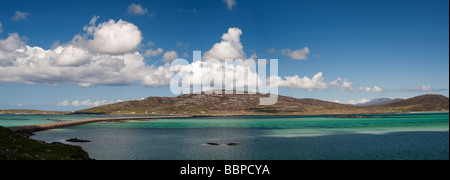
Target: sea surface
{"type": "Point", "coordinates": [372, 137]}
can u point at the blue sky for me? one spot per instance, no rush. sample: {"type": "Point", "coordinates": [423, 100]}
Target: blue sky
{"type": "Point", "coordinates": [398, 46]}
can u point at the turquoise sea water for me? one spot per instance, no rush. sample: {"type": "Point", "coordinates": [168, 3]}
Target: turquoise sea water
{"type": "Point", "coordinates": [403, 136]}
{"type": "Point", "coordinates": [10, 120]}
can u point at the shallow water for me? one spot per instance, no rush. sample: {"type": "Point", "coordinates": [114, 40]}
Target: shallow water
{"type": "Point", "coordinates": [10, 120]}
{"type": "Point", "coordinates": [408, 136]}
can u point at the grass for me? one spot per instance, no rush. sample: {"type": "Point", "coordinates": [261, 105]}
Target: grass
{"type": "Point", "coordinates": [14, 146]}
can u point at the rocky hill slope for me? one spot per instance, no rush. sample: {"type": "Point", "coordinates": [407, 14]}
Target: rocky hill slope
{"type": "Point", "coordinates": [248, 104]}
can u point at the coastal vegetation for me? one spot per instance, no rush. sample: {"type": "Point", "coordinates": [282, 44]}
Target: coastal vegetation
{"type": "Point", "coordinates": [15, 146]}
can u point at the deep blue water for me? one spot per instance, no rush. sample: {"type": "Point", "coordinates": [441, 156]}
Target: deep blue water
{"type": "Point", "coordinates": [190, 144]}
{"type": "Point", "coordinates": [406, 137]}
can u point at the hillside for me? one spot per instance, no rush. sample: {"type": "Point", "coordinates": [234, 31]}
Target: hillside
{"type": "Point", "coordinates": [379, 101]}
{"type": "Point", "coordinates": [248, 104]}
{"type": "Point", "coordinates": [226, 104]}
{"type": "Point", "coordinates": [419, 103]}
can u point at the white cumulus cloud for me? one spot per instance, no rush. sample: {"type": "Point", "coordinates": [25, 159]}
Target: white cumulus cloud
{"type": "Point", "coordinates": [19, 15]}
{"type": "Point", "coordinates": [78, 103]}
{"type": "Point", "coordinates": [377, 89]}
{"type": "Point", "coordinates": [159, 76]}
{"type": "Point", "coordinates": [229, 48]}
{"type": "Point", "coordinates": [271, 51]}
{"type": "Point", "coordinates": [8, 49]}
{"type": "Point", "coordinates": [346, 86]}
{"type": "Point", "coordinates": [317, 82]}
{"type": "Point", "coordinates": [300, 54]}
{"type": "Point", "coordinates": [153, 52]}
{"type": "Point", "coordinates": [71, 56]}
{"type": "Point", "coordinates": [137, 9]}
{"type": "Point", "coordinates": [104, 55]}
{"type": "Point", "coordinates": [230, 4]}
{"type": "Point", "coordinates": [116, 37]}
{"type": "Point", "coordinates": [89, 103]}
{"type": "Point", "coordinates": [212, 71]}
{"type": "Point", "coordinates": [423, 88]}
{"type": "Point", "coordinates": [64, 103]}
{"type": "Point", "coordinates": [169, 56]}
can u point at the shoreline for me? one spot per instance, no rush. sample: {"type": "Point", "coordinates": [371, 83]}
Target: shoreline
{"type": "Point", "coordinates": [29, 129]}
{"type": "Point", "coordinates": [16, 146]}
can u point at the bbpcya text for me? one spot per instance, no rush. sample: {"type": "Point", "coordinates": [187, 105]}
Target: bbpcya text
{"type": "Point", "coordinates": [228, 170]}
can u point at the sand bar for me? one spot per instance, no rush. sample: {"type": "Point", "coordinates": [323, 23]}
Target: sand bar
{"type": "Point", "coordinates": [56, 125]}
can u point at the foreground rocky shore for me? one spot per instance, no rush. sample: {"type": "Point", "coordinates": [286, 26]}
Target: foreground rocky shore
{"type": "Point", "coordinates": [14, 146]}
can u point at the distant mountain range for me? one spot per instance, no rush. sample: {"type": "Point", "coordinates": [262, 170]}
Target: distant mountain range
{"type": "Point", "coordinates": [379, 101]}
{"type": "Point", "coordinates": [419, 103]}
{"type": "Point", "coordinates": [248, 104]}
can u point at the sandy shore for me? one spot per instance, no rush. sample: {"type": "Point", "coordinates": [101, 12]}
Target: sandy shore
{"type": "Point", "coordinates": [47, 126]}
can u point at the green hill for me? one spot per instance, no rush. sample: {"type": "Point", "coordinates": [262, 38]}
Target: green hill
{"type": "Point", "coordinates": [248, 104]}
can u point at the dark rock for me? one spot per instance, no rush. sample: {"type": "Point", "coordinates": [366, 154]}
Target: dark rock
{"type": "Point", "coordinates": [232, 144]}
{"type": "Point", "coordinates": [77, 140]}
{"type": "Point", "coordinates": [213, 144]}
